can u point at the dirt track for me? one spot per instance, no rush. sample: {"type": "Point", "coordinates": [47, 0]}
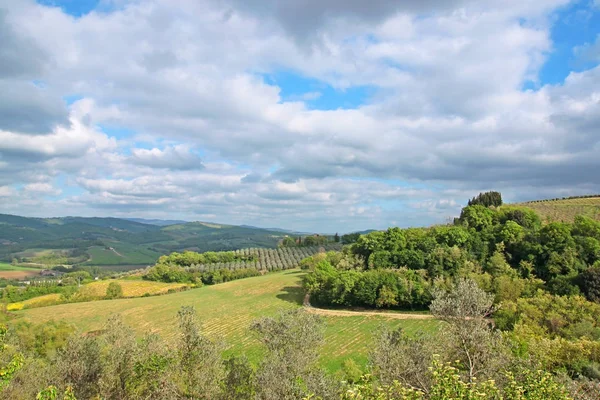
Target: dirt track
{"type": "Point", "coordinates": [348, 313]}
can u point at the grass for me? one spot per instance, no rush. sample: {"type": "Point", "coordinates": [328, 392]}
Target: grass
{"type": "Point", "coordinates": [131, 288]}
{"type": "Point", "coordinates": [566, 210]}
{"type": "Point", "coordinates": [226, 311]}
{"type": "Point", "coordinates": [40, 301]}
{"type": "Point", "coordinates": [9, 271]}
{"type": "Point", "coordinates": [123, 254]}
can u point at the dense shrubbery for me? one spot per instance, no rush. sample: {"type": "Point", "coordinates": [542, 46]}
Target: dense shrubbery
{"type": "Point", "coordinates": [115, 365]}
{"type": "Point", "coordinates": [13, 294]}
{"type": "Point", "coordinates": [178, 267]}
{"type": "Point", "coordinates": [487, 199]}
{"type": "Point", "coordinates": [176, 274]}
{"type": "Point", "coordinates": [506, 250]}
{"type": "Point", "coordinates": [375, 288]}
{"type": "Point", "coordinates": [189, 258]}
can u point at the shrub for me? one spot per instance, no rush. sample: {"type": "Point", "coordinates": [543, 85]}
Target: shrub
{"type": "Point", "coordinates": [114, 291]}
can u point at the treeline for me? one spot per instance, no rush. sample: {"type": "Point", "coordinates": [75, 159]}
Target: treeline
{"type": "Point", "coordinates": [176, 274]}
{"type": "Point", "coordinates": [337, 280]}
{"type": "Point", "coordinates": [189, 258]}
{"type": "Point", "coordinates": [467, 361]}
{"type": "Point", "coordinates": [487, 199]}
{"type": "Point", "coordinates": [66, 286]}
{"type": "Point", "coordinates": [506, 249]}
{"type": "Point", "coordinates": [179, 267]}
{"type": "Point", "coordinates": [587, 196]}
{"type": "Point", "coordinates": [308, 241]}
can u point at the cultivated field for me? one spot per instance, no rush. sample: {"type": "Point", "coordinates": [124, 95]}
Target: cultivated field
{"type": "Point", "coordinates": [131, 288]}
{"type": "Point", "coordinates": [226, 311]}
{"type": "Point", "coordinates": [566, 210]}
{"type": "Point", "coordinates": [8, 271]}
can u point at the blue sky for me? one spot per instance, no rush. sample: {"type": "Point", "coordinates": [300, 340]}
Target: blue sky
{"type": "Point", "coordinates": [324, 118]}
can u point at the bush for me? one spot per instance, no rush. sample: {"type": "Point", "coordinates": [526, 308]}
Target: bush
{"type": "Point", "coordinates": [114, 291]}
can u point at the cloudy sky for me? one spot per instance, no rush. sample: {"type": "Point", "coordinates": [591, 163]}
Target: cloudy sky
{"type": "Point", "coordinates": [323, 115]}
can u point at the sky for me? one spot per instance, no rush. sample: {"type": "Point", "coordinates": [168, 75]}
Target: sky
{"type": "Point", "coordinates": [312, 115]}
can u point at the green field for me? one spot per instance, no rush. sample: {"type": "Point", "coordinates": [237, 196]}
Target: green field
{"type": "Point", "coordinates": [121, 254]}
{"type": "Point", "coordinates": [8, 271]}
{"type": "Point", "coordinates": [10, 267]}
{"type": "Point", "coordinates": [226, 311]}
{"type": "Point", "coordinates": [566, 210]}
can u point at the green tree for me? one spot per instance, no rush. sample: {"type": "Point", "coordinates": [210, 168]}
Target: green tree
{"type": "Point", "coordinates": [114, 291]}
{"type": "Point", "coordinates": [465, 308]}
{"type": "Point", "coordinates": [199, 359]}
{"type": "Point", "coordinates": [589, 281]}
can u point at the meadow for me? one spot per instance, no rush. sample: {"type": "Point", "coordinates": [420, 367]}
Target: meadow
{"type": "Point", "coordinates": [565, 210]}
{"type": "Point", "coordinates": [9, 271]}
{"type": "Point", "coordinates": [226, 311]}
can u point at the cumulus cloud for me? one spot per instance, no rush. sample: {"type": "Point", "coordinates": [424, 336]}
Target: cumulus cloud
{"type": "Point", "coordinates": [172, 157]}
{"type": "Point", "coordinates": [446, 115]}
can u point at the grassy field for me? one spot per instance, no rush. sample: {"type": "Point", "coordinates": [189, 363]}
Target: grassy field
{"type": "Point", "coordinates": [227, 311]}
{"type": "Point", "coordinates": [566, 210]}
{"type": "Point", "coordinates": [8, 271]}
{"type": "Point", "coordinates": [131, 288]}
{"type": "Point", "coordinates": [121, 254]}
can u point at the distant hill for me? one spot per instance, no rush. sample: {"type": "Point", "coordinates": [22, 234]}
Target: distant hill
{"type": "Point", "coordinates": [159, 222]}
{"type": "Point", "coordinates": [287, 231]}
{"type": "Point", "coordinates": [565, 209]}
{"type": "Point", "coordinates": [113, 241]}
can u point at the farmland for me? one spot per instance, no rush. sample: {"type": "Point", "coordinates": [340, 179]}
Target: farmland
{"type": "Point", "coordinates": [117, 242]}
{"type": "Point", "coordinates": [226, 311]}
{"type": "Point", "coordinates": [131, 288]}
{"type": "Point", "coordinates": [8, 271]}
{"type": "Point", "coordinates": [565, 210]}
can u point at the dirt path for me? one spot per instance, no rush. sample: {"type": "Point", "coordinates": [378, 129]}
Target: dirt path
{"type": "Point", "coordinates": [358, 313]}
{"type": "Point", "coordinates": [116, 252]}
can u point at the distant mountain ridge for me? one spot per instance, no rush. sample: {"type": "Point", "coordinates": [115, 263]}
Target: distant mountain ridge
{"type": "Point", "coordinates": [158, 222]}
{"type": "Point", "coordinates": [117, 241]}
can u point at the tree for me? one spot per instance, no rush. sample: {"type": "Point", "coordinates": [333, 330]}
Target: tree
{"type": "Point", "coordinates": [487, 199]}
{"type": "Point", "coordinates": [114, 291]}
{"type": "Point", "coordinates": [350, 238]}
{"type": "Point", "coordinates": [199, 359]}
{"type": "Point", "coordinates": [288, 242]}
{"type": "Point", "coordinates": [470, 337]}
{"type": "Point", "coordinates": [477, 217]}
{"type": "Point", "coordinates": [289, 369]}
{"type": "Point", "coordinates": [336, 238]}
{"type": "Point", "coordinates": [589, 282]}
{"type": "Point", "coordinates": [78, 365]}
{"type": "Point", "coordinates": [9, 369]}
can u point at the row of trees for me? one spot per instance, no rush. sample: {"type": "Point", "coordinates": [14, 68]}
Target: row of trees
{"type": "Point", "coordinates": [466, 360]}
{"type": "Point", "coordinates": [508, 242]}
{"type": "Point", "coordinates": [189, 258]}
{"type": "Point", "coordinates": [172, 273]}
{"type": "Point", "coordinates": [330, 285]}
{"type": "Point", "coordinates": [178, 267]}
{"type": "Point", "coordinates": [308, 241]}
{"type": "Point", "coordinates": [587, 196]}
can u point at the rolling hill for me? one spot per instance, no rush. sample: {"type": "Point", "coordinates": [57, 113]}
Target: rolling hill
{"type": "Point", "coordinates": [227, 310]}
{"type": "Point", "coordinates": [117, 242]}
{"type": "Point", "coordinates": [566, 209]}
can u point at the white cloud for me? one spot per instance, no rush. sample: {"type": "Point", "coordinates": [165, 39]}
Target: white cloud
{"type": "Point", "coordinates": [447, 110]}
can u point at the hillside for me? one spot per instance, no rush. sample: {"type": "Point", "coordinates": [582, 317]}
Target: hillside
{"type": "Point", "coordinates": [566, 209]}
{"type": "Point", "coordinates": [226, 311]}
{"type": "Point", "coordinates": [116, 242]}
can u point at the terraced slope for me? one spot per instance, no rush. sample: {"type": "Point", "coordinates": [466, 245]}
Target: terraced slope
{"type": "Point", "coordinates": [566, 209]}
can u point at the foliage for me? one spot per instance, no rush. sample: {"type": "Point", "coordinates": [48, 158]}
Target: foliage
{"type": "Point", "coordinates": [487, 199]}
{"type": "Point", "coordinates": [13, 294]}
{"type": "Point", "coordinates": [114, 291]}
{"type": "Point", "coordinates": [589, 282]}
